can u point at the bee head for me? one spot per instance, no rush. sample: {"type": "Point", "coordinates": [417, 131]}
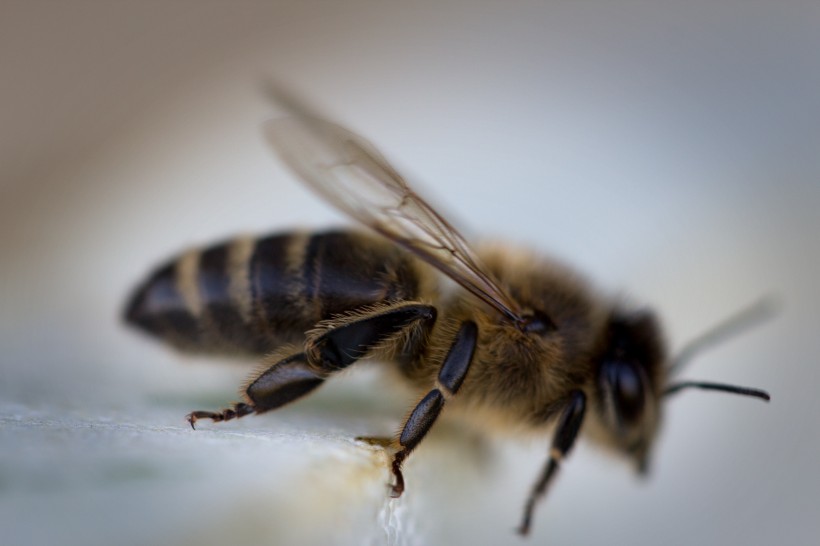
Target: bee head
{"type": "Point", "coordinates": [629, 382]}
{"type": "Point", "coordinates": [632, 373]}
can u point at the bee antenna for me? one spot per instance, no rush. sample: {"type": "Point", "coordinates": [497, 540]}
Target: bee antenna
{"type": "Point", "coordinates": [763, 309]}
{"type": "Point", "coordinates": [734, 389]}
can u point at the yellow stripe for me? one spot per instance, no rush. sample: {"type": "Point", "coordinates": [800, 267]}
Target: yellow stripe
{"type": "Point", "coordinates": [239, 281]}
{"type": "Point", "coordinates": [186, 272]}
{"type": "Point", "coordinates": [294, 272]}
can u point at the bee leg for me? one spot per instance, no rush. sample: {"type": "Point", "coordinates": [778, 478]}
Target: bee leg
{"type": "Point", "coordinates": [239, 409]}
{"type": "Point", "coordinates": [378, 441]}
{"type": "Point", "coordinates": [338, 343]}
{"type": "Point", "coordinates": [451, 376]}
{"type": "Point", "coordinates": [285, 381]}
{"type": "Point", "coordinates": [568, 426]}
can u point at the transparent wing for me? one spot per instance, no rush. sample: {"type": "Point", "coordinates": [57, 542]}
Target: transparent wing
{"type": "Point", "coordinates": [350, 173]}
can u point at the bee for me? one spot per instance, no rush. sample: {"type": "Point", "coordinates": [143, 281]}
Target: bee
{"type": "Point", "coordinates": [518, 341]}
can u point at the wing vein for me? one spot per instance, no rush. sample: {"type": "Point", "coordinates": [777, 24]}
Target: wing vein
{"type": "Point", "coordinates": [348, 171]}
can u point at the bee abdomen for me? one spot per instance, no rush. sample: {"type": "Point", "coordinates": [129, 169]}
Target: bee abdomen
{"type": "Point", "coordinates": [251, 295]}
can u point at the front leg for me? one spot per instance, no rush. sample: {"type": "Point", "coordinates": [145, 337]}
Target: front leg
{"type": "Point", "coordinates": [569, 424]}
{"type": "Point", "coordinates": [451, 376]}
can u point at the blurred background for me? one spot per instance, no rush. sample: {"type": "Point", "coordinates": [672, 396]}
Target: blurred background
{"type": "Point", "coordinates": [667, 150]}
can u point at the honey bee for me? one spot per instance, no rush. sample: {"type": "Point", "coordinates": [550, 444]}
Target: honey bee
{"type": "Point", "coordinates": [519, 340]}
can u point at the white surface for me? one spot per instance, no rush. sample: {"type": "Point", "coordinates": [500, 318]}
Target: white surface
{"type": "Point", "coordinates": [668, 151]}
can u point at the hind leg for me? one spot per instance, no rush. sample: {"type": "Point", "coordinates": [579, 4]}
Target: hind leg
{"type": "Point", "coordinates": [285, 381]}
{"type": "Point", "coordinates": [333, 346]}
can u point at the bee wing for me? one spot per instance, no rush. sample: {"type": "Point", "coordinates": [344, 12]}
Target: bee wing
{"type": "Point", "coordinates": [350, 173]}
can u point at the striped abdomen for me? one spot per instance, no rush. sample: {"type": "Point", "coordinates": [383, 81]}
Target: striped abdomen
{"type": "Point", "coordinates": [251, 295]}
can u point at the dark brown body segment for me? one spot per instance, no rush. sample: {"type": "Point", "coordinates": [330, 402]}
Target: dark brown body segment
{"type": "Point", "coordinates": [251, 296]}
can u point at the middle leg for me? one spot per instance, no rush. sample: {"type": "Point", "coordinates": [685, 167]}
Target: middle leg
{"type": "Point", "coordinates": [451, 376]}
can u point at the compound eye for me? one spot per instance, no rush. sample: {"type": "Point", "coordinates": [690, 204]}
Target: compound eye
{"type": "Point", "coordinates": [625, 384]}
